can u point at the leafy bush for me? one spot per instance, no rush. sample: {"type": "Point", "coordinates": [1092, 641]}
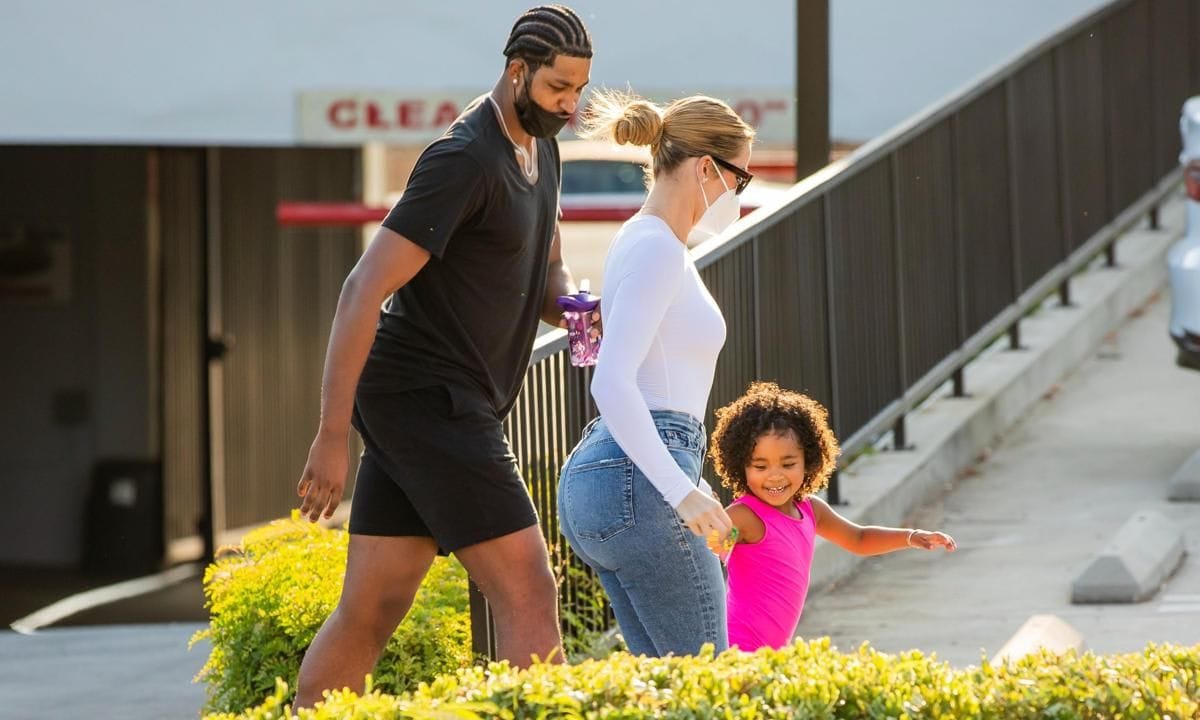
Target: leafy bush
{"type": "Point", "coordinates": [268, 598]}
{"type": "Point", "coordinates": [804, 680]}
{"type": "Point", "coordinates": [588, 625]}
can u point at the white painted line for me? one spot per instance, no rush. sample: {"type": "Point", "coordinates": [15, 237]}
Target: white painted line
{"type": "Point", "coordinates": [1181, 598]}
{"type": "Point", "coordinates": [1180, 608]}
{"type": "Point", "coordinates": [104, 595]}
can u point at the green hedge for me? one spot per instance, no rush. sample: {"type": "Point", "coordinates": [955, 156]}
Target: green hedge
{"type": "Point", "coordinates": [268, 597]}
{"type": "Point", "coordinates": [805, 680]}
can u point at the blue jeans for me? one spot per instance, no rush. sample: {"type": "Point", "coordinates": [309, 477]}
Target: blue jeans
{"type": "Point", "coordinates": [665, 585]}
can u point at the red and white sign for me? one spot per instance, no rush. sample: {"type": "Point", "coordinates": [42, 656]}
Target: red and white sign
{"type": "Point", "coordinates": [331, 117]}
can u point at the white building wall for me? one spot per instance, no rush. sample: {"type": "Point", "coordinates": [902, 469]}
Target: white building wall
{"type": "Point", "coordinates": [230, 72]}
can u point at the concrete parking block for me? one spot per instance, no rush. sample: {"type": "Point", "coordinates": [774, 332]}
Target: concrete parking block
{"type": "Point", "coordinates": [1185, 483]}
{"type": "Point", "coordinates": [1040, 632]}
{"type": "Point", "coordinates": [1132, 567]}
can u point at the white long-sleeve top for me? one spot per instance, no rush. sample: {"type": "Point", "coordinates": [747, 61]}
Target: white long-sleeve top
{"type": "Point", "coordinates": [662, 334]}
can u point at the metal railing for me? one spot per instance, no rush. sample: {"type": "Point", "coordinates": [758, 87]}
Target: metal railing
{"type": "Point", "coordinates": [880, 277]}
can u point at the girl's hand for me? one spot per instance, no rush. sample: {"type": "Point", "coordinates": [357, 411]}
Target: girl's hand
{"type": "Point", "coordinates": [722, 547]}
{"type": "Point", "coordinates": [925, 540]}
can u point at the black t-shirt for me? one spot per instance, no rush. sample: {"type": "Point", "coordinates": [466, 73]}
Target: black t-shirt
{"type": "Point", "coordinates": [471, 314]}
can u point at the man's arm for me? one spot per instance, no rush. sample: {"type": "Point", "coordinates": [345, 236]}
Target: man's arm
{"type": "Point", "coordinates": [389, 263]}
{"type": "Point", "coordinates": [558, 281]}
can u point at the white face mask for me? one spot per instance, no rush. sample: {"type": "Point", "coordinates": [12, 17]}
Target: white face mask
{"type": "Point", "coordinates": [721, 213]}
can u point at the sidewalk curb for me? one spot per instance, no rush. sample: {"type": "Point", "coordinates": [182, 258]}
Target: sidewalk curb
{"type": "Point", "coordinates": [79, 602]}
{"type": "Point", "coordinates": [951, 434]}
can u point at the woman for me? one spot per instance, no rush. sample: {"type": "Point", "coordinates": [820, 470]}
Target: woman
{"type": "Point", "coordinates": [632, 503]}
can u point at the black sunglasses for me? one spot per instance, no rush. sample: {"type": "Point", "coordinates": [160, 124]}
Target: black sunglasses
{"type": "Point", "coordinates": [743, 178]}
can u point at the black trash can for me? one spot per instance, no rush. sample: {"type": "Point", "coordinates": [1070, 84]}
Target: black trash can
{"type": "Point", "coordinates": [124, 526]}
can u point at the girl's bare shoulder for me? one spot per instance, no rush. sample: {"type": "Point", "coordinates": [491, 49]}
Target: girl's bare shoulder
{"type": "Point", "coordinates": [750, 526]}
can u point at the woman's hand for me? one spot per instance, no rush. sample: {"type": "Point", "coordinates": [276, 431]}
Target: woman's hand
{"type": "Point", "coordinates": [703, 515]}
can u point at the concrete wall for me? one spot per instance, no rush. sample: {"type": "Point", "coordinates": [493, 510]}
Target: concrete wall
{"type": "Point", "coordinates": [227, 71]}
{"type": "Point", "coordinates": [73, 374]}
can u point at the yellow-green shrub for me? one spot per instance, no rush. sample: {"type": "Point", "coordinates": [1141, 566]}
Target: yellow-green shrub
{"type": "Point", "coordinates": [805, 680]}
{"type": "Point", "coordinates": [268, 597]}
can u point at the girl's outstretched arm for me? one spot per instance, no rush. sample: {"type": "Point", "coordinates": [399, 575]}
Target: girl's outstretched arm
{"type": "Point", "coordinates": [872, 539]}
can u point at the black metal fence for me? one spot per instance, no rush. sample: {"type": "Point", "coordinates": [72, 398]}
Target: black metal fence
{"type": "Point", "coordinates": [884, 274]}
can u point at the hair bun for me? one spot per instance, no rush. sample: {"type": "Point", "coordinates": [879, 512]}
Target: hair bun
{"type": "Point", "coordinates": [641, 123]}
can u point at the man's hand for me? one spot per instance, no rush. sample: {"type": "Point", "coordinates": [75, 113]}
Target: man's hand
{"type": "Point", "coordinates": [596, 329]}
{"type": "Point", "coordinates": [324, 478]}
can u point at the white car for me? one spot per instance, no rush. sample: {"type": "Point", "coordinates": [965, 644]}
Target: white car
{"type": "Point", "coordinates": [603, 185]}
{"type": "Point", "coordinates": [606, 182]}
{"type": "Point", "coordinates": [1183, 260]}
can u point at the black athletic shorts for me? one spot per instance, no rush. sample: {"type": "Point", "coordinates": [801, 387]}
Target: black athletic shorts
{"type": "Point", "coordinates": [436, 463]}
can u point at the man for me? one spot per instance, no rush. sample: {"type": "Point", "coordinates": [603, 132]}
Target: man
{"type": "Point", "coordinates": [471, 257]}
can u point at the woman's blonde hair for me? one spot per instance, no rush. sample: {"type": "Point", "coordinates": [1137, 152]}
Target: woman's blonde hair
{"type": "Point", "coordinates": [689, 127]}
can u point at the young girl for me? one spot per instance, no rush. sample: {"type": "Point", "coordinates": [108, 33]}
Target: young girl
{"type": "Point", "coordinates": [774, 449]}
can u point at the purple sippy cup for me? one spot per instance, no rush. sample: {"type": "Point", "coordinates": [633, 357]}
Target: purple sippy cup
{"type": "Point", "coordinates": [576, 311]}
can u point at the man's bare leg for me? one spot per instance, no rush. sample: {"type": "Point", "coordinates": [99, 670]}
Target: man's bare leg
{"type": "Point", "coordinates": [513, 572]}
{"type": "Point", "coordinates": [382, 578]}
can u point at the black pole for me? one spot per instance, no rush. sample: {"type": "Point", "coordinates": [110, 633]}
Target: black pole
{"type": "Point", "coordinates": [833, 493]}
{"type": "Point", "coordinates": [215, 343]}
{"type": "Point", "coordinates": [205, 524]}
{"type": "Point", "coordinates": [1014, 336]}
{"type": "Point", "coordinates": [154, 185]}
{"type": "Point", "coordinates": [812, 86]}
{"type": "Point", "coordinates": [900, 435]}
{"type": "Point", "coordinates": [483, 632]}
{"type": "Point", "coordinates": [960, 383]}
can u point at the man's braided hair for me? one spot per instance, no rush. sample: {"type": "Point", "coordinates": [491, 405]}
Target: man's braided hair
{"type": "Point", "coordinates": [545, 32]}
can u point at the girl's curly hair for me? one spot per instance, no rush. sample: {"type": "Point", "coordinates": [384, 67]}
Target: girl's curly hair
{"type": "Point", "coordinates": [765, 407]}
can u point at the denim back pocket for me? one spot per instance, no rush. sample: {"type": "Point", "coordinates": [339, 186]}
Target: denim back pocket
{"type": "Point", "coordinates": [598, 497]}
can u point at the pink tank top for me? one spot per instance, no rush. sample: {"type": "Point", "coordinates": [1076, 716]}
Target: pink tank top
{"type": "Point", "coordinates": [769, 579]}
